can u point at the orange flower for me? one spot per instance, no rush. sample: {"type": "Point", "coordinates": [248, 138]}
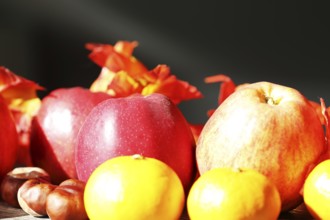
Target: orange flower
{"type": "Point", "coordinates": [21, 98]}
{"type": "Point", "coordinates": [122, 74]}
{"type": "Point", "coordinates": [196, 130]}
{"type": "Point", "coordinates": [116, 58]}
{"type": "Point", "coordinates": [325, 121]}
{"type": "Point", "coordinates": [227, 87]}
{"type": "Point", "coordinates": [162, 81]}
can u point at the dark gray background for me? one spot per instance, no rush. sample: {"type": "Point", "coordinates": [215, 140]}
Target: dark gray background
{"type": "Point", "coordinates": [285, 42]}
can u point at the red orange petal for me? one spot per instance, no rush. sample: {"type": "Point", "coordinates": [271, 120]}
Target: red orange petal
{"type": "Point", "coordinates": [168, 84]}
{"type": "Point", "coordinates": [20, 94]}
{"type": "Point", "coordinates": [227, 85]}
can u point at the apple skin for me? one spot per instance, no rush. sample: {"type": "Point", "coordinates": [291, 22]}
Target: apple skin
{"type": "Point", "coordinates": [151, 126]}
{"type": "Point", "coordinates": [8, 140]}
{"type": "Point", "coordinates": [268, 127]}
{"type": "Point", "coordinates": [54, 130]}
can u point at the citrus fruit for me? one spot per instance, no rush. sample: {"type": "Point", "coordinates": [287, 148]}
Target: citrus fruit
{"type": "Point", "coordinates": [316, 191]}
{"type": "Point", "coordinates": [227, 193]}
{"type": "Point", "coordinates": [134, 187]}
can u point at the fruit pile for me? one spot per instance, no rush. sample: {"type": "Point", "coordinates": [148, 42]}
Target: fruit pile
{"type": "Point", "coordinates": [122, 149]}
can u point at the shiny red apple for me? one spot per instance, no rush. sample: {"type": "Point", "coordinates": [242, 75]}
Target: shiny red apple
{"type": "Point", "coordinates": [8, 140]}
{"type": "Point", "coordinates": [148, 125]}
{"type": "Point", "coordinates": [54, 129]}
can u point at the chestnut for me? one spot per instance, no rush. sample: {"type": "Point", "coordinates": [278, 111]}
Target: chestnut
{"type": "Point", "coordinates": [66, 201]}
{"type": "Point", "coordinates": [32, 196]}
{"type": "Point", "coordinates": [15, 178]}
{"type": "Point", "coordinates": [73, 182]}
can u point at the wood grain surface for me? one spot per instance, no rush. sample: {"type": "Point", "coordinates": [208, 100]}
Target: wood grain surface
{"type": "Point", "coordinates": [7, 212]}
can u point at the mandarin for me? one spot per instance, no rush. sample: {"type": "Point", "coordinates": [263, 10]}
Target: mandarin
{"type": "Point", "coordinates": [316, 191]}
{"type": "Point", "coordinates": [227, 193]}
{"type": "Point", "coordinates": [134, 187]}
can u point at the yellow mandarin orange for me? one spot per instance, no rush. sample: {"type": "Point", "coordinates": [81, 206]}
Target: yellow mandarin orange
{"type": "Point", "coordinates": [134, 187]}
{"type": "Point", "coordinates": [316, 191]}
{"type": "Point", "coordinates": [227, 193]}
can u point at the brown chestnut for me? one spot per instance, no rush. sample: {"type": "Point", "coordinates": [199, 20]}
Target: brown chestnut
{"type": "Point", "coordinates": [73, 182]}
{"type": "Point", "coordinates": [66, 201]}
{"type": "Point", "coordinates": [15, 178]}
{"type": "Point", "coordinates": [32, 196]}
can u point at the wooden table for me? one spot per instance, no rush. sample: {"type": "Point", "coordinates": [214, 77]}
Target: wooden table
{"type": "Point", "coordinates": [7, 212]}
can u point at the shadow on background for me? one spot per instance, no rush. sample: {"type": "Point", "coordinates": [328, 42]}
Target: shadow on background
{"type": "Point", "coordinates": [285, 43]}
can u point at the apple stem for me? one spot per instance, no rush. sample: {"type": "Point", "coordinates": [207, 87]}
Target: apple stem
{"type": "Point", "coordinates": [270, 100]}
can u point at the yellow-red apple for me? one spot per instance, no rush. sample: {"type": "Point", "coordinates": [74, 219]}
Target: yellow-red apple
{"type": "Point", "coordinates": [268, 127]}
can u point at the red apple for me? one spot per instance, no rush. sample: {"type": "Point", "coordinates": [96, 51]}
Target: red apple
{"type": "Point", "coordinates": [8, 140]}
{"type": "Point", "coordinates": [54, 129]}
{"type": "Point", "coordinates": [148, 125]}
{"type": "Point", "coordinates": [268, 127]}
